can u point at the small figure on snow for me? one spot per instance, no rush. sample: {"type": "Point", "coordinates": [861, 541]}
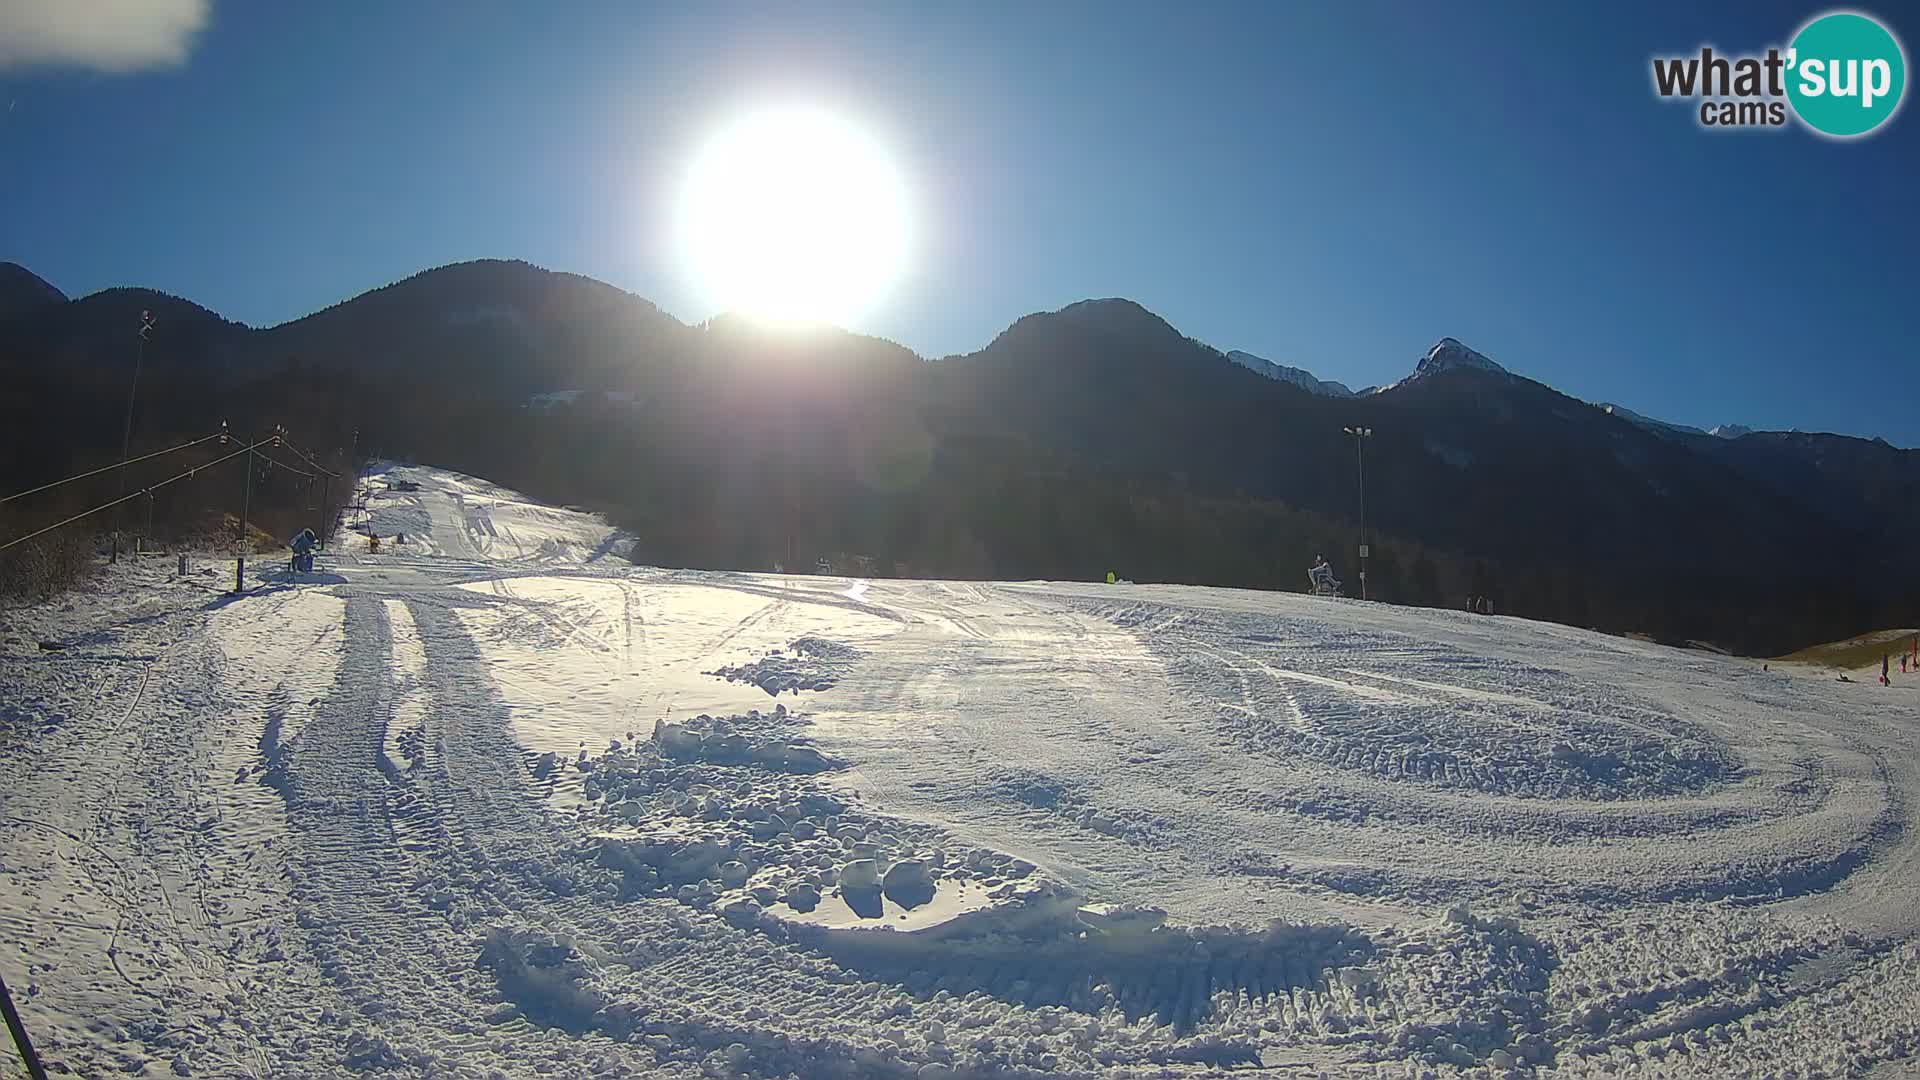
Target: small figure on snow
{"type": "Point", "coordinates": [1320, 580]}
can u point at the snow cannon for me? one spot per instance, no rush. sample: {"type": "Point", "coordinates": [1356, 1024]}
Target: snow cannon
{"type": "Point", "coordinates": [303, 544]}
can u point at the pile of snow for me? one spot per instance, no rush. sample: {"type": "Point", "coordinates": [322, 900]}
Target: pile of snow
{"type": "Point", "coordinates": [810, 663]}
{"type": "Point", "coordinates": [731, 814]}
{"type": "Point", "coordinates": [764, 742]}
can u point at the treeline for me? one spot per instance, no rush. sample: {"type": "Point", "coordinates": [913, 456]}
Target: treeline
{"type": "Point", "coordinates": [729, 491]}
{"type": "Point", "coordinates": [55, 425]}
{"type": "Point", "coordinates": [763, 477]}
{"type": "Point", "coordinates": [712, 472]}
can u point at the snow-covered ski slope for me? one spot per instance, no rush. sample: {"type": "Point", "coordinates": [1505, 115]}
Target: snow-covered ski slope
{"type": "Point", "coordinates": [479, 809]}
{"type": "Point", "coordinates": [426, 511]}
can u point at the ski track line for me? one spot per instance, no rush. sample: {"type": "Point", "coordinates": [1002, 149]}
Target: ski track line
{"type": "Point", "coordinates": [544, 611]}
{"type": "Point", "coordinates": [1396, 790]}
{"type": "Point", "coordinates": [379, 933]}
{"type": "Point", "coordinates": [747, 622]}
{"type": "Point", "coordinates": [146, 799]}
{"type": "Point", "coordinates": [1685, 900]}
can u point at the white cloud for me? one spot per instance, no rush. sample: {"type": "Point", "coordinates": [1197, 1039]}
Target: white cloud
{"type": "Point", "coordinates": [100, 35]}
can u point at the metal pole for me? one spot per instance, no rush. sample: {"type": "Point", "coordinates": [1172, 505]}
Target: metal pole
{"type": "Point", "coordinates": [1360, 437]}
{"type": "Point", "coordinates": [246, 506]}
{"type": "Point", "coordinates": [1360, 452]}
{"type": "Point", "coordinates": [20, 1040]}
{"type": "Point", "coordinates": [126, 430]}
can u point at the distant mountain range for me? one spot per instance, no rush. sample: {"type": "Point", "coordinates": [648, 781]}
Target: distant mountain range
{"type": "Point", "coordinates": [1450, 353]}
{"type": "Point", "coordinates": [1586, 513]}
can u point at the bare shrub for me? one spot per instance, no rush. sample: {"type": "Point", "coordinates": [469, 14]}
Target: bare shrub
{"type": "Point", "coordinates": [45, 566]}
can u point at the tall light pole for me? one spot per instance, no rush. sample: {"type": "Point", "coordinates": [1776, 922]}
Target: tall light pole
{"type": "Point", "coordinates": [1360, 437]}
{"type": "Point", "coordinates": [126, 431]}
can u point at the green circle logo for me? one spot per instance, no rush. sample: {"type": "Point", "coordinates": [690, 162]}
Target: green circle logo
{"type": "Point", "coordinates": [1845, 75]}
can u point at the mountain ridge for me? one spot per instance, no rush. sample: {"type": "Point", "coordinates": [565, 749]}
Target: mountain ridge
{"type": "Point", "coordinates": [1097, 431]}
{"type": "Point", "coordinates": [1125, 315]}
{"type": "Point", "coordinates": [23, 291]}
{"type": "Point", "coordinates": [1301, 377]}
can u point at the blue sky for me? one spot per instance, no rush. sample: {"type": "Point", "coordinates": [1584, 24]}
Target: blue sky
{"type": "Point", "coordinates": [1331, 186]}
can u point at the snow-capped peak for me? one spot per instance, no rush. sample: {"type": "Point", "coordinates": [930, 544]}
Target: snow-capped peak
{"type": "Point", "coordinates": [1300, 377]}
{"type": "Point", "coordinates": [1449, 354]}
{"type": "Point", "coordinates": [1730, 431]}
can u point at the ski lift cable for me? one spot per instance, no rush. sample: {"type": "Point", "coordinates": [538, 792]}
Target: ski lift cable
{"type": "Point", "coordinates": [288, 443]}
{"type": "Point", "coordinates": [146, 491]}
{"type": "Point", "coordinates": [282, 465]}
{"type": "Point", "coordinates": [278, 438]}
{"type": "Point", "coordinates": [108, 468]}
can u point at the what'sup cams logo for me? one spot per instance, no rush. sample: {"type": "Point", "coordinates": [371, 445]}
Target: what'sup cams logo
{"type": "Point", "coordinates": [1843, 76]}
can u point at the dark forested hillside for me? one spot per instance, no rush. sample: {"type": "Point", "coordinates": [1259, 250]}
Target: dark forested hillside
{"type": "Point", "coordinates": [23, 291]}
{"type": "Point", "coordinates": [508, 326]}
{"type": "Point", "coordinates": [65, 422]}
{"type": "Point", "coordinates": [1090, 439]}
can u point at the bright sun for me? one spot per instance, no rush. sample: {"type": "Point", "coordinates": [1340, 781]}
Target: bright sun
{"type": "Point", "coordinates": [794, 215]}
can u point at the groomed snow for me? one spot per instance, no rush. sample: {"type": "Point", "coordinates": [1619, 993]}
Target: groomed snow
{"type": "Point", "coordinates": [436, 512]}
{"type": "Point", "coordinates": [493, 802]}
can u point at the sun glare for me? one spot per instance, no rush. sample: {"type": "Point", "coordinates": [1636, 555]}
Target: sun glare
{"type": "Point", "coordinates": [794, 215]}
